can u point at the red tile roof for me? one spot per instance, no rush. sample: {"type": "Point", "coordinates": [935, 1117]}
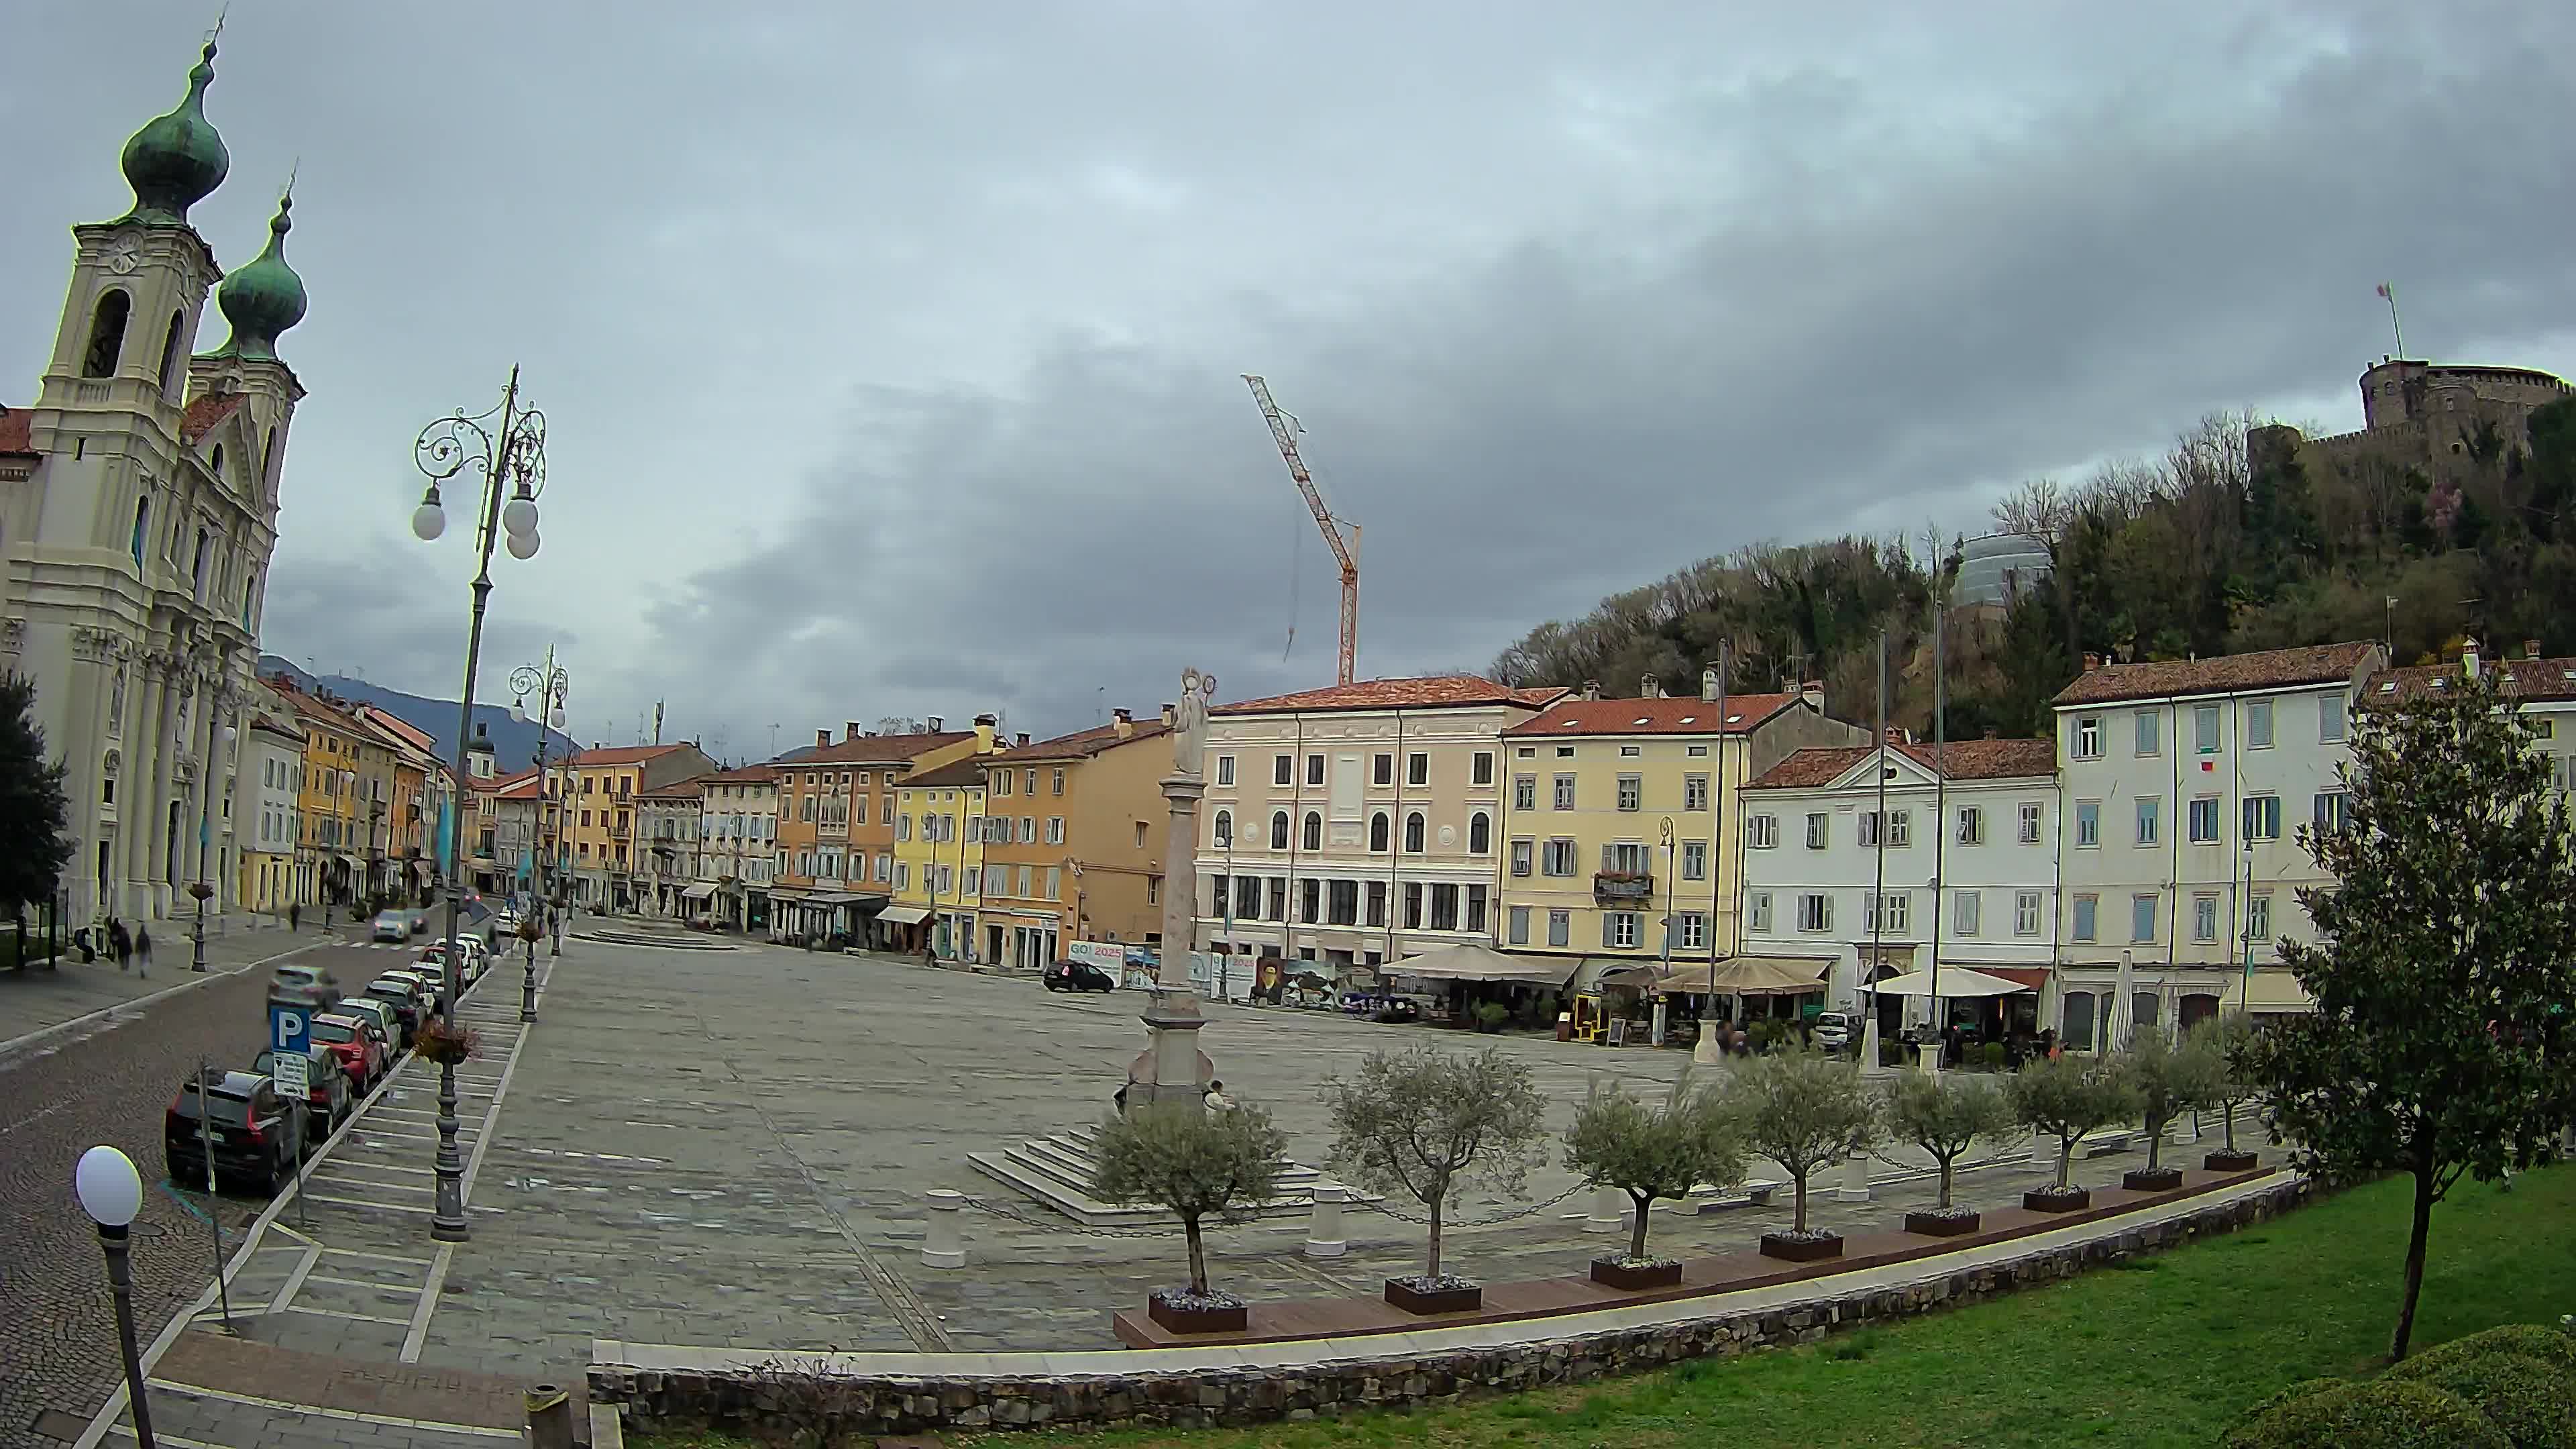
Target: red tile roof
{"type": "Point", "coordinates": [2529, 679]}
{"type": "Point", "coordinates": [1082, 744]}
{"type": "Point", "coordinates": [1438, 691]}
{"type": "Point", "coordinates": [747, 775]}
{"type": "Point", "coordinates": [1962, 760]}
{"type": "Point", "coordinates": [207, 411]}
{"type": "Point", "coordinates": [2228, 673]}
{"type": "Point", "coordinates": [968, 773]}
{"type": "Point", "coordinates": [607, 755]}
{"type": "Point", "coordinates": [1661, 716]}
{"type": "Point", "coordinates": [876, 749]}
{"type": "Point", "coordinates": [523, 786]}
{"type": "Point", "coordinates": [17, 433]}
{"type": "Point", "coordinates": [689, 789]}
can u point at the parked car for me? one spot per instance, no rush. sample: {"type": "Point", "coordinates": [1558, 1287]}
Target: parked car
{"type": "Point", "coordinates": [1077, 976]}
{"type": "Point", "coordinates": [361, 1053]}
{"type": "Point", "coordinates": [293, 984]}
{"type": "Point", "coordinates": [504, 926]}
{"type": "Point", "coordinates": [404, 1001]}
{"type": "Point", "coordinates": [328, 1096]}
{"type": "Point", "coordinates": [391, 926]}
{"type": "Point", "coordinates": [382, 1023]}
{"type": "Point", "coordinates": [246, 1118]}
{"type": "Point", "coordinates": [419, 922]}
{"type": "Point", "coordinates": [1835, 1030]}
{"type": "Point", "coordinates": [424, 984]}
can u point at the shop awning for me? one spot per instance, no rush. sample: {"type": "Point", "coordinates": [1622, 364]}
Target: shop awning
{"type": "Point", "coordinates": [904, 915]}
{"type": "Point", "coordinates": [1746, 976]}
{"type": "Point", "coordinates": [1955, 981]}
{"type": "Point", "coordinates": [2273, 990]}
{"type": "Point", "coordinates": [2032, 978]}
{"type": "Point", "coordinates": [1471, 962]}
{"type": "Point", "coordinates": [697, 893]}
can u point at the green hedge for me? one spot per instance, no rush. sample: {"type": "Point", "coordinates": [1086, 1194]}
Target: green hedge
{"type": "Point", "coordinates": [2522, 1396]}
{"type": "Point", "coordinates": [2526, 1340]}
{"type": "Point", "coordinates": [2501, 1389]}
{"type": "Point", "coordinates": [2377, 1414]}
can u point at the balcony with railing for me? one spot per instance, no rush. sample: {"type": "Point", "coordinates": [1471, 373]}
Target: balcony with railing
{"type": "Point", "coordinates": [1623, 887]}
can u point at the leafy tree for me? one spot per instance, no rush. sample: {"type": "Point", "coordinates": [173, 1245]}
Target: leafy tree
{"type": "Point", "coordinates": [2229, 1040]}
{"type": "Point", "coordinates": [1197, 1163]}
{"type": "Point", "coordinates": [2067, 1097]}
{"type": "Point", "coordinates": [1945, 1115]}
{"type": "Point", "coordinates": [1428, 1122]}
{"type": "Point", "coordinates": [1651, 1152]}
{"type": "Point", "coordinates": [32, 812]}
{"type": "Point", "coordinates": [2165, 1081]}
{"type": "Point", "coordinates": [2441, 1044]}
{"type": "Point", "coordinates": [1804, 1111]}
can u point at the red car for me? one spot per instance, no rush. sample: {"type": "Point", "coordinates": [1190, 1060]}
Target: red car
{"type": "Point", "coordinates": [361, 1055]}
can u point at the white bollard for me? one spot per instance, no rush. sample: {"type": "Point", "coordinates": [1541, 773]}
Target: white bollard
{"type": "Point", "coordinates": [1324, 1237]}
{"type": "Point", "coordinates": [944, 1246]}
{"type": "Point", "coordinates": [1855, 1180]}
{"type": "Point", "coordinates": [1609, 1209]}
{"type": "Point", "coordinates": [2190, 1127]}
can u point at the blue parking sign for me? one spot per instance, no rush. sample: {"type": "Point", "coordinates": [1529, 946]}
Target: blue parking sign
{"type": "Point", "coordinates": [290, 1029]}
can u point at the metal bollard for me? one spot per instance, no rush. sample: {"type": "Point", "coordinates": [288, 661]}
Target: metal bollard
{"type": "Point", "coordinates": [1609, 1208]}
{"type": "Point", "coordinates": [1324, 1237]}
{"type": "Point", "coordinates": [549, 1417]}
{"type": "Point", "coordinates": [1855, 1180]}
{"type": "Point", "coordinates": [944, 1246]}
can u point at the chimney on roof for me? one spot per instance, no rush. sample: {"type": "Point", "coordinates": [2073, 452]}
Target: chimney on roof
{"type": "Point", "coordinates": [1020, 740]}
{"type": "Point", "coordinates": [1171, 712]}
{"type": "Point", "coordinates": [1813, 692]}
{"type": "Point", "coordinates": [933, 724]}
{"type": "Point", "coordinates": [2530, 648]}
{"type": "Point", "coordinates": [1993, 733]}
{"type": "Point", "coordinates": [1708, 686]}
{"type": "Point", "coordinates": [1896, 734]}
{"type": "Point", "coordinates": [2092, 661]}
{"type": "Point", "coordinates": [2469, 660]}
{"type": "Point", "coordinates": [1123, 721]}
{"type": "Point", "coordinates": [984, 728]}
{"type": "Point", "coordinates": [1592, 689]}
{"type": "Point", "coordinates": [1650, 688]}
{"type": "Point", "coordinates": [849, 730]}
{"type": "Point", "coordinates": [822, 738]}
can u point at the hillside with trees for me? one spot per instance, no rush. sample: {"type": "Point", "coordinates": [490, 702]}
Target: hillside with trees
{"type": "Point", "coordinates": [2212, 548]}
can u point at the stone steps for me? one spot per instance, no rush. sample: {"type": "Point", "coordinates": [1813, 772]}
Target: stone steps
{"type": "Point", "coordinates": [1058, 1171]}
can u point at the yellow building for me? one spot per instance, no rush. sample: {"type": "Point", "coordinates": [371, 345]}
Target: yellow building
{"type": "Point", "coordinates": [595, 862]}
{"type": "Point", "coordinates": [1074, 833]}
{"type": "Point", "coordinates": [835, 810]}
{"type": "Point", "coordinates": [348, 779]}
{"type": "Point", "coordinates": [1621, 813]}
{"type": "Point", "coordinates": [939, 857]}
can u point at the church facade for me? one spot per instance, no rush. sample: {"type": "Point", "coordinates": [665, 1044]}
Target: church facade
{"type": "Point", "coordinates": [138, 514]}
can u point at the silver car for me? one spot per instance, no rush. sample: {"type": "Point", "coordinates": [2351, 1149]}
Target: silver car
{"type": "Point", "coordinates": [391, 926]}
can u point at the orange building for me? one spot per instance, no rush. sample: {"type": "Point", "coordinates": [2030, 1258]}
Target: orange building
{"type": "Point", "coordinates": [836, 824]}
{"type": "Point", "coordinates": [1074, 833]}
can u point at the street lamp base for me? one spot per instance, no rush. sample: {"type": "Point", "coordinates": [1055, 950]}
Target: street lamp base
{"type": "Point", "coordinates": [444, 1231]}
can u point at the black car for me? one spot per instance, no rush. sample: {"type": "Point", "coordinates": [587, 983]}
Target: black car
{"type": "Point", "coordinates": [328, 1092]}
{"type": "Point", "coordinates": [248, 1121]}
{"type": "Point", "coordinates": [1077, 976]}
{"type": "Point", "coordinates": [405, 1002]}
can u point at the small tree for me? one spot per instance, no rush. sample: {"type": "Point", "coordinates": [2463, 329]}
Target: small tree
{"type": "Point", "coordinates": [1653, 1152]}
{"type": "Point", "coordinates": [2067, 1097]}
{"type": "Point", "coordinates": [2441, 1044]}
{"type": "Point", "coordinates": [2229, 1041]}
{"type": "Point", "coordinates": [1945, 1115]}
{"type": "Point", "coordinates": [1802, 1110]}
{"type": "Point", "coordinates": [2165, 1081]}
{"type": "Point", "coordinates": [1197, 1163]}
{"type": "Point", "coordinates": [1427, 1122]}
{"type": "Point", "coordinates": [32, 812]}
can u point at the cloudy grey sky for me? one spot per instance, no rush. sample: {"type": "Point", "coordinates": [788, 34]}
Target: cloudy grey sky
{"type": "Point", "coordinates": [891, 351]}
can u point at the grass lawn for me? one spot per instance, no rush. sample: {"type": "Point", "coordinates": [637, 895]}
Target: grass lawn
{"type": "Point", "coordinates": [2164, 1350]}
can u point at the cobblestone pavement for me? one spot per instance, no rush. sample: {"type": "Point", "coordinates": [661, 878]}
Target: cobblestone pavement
{"type": "Point", "coordinates": [38, 999]}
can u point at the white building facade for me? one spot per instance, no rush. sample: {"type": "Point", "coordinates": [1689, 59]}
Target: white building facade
{"type": "Point", "coordinates": [138, 511]}
{"type": "Point", "coordinates": [667, 826]}
{"type": "Point", "coordinates": [270, 821]}
{"type": "Point", "coordinates": [1961, 868]}
{"type": "Point", "coordinates": [2184, 784]}
{"type": "Point", "coordinates": [737, 860]}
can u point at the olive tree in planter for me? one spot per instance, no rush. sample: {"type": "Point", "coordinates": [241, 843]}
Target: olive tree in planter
{"type": "Point", "coordinates": [1651, 1153]}
{"type": "Point", "coordinates": [1946, 1115]}
{"type": "Point", "coordinates": [1199, 1164]}
{"type": "Point", "coordinates": [1427, 1123]}
{"type": "Point", "coordinates": [2067, 1097]}
{"type": "Point", "coordinates": [2164, 1081]}
{"type": "Point", "coordinates": [1804, 1111]}
{"type": "Point", "coordinates": [2228, 1039]}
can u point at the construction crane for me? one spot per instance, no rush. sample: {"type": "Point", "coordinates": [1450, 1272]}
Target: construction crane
{"type": "Point", "coordinates": [1342, 534]}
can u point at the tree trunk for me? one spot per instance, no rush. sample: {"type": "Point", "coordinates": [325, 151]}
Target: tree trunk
{"type": "Point", "coordinates": [1434, 1270]}
{"type": "Point", "coordinates": [2065, 1161]}
{"type": "Point", "coordinates": [2415, 1236]}
{"type": "Point", "coordinates": [2227, 1123]}
{"type": "Point", "coordinates": [1947, 1165]}
{"type": "Point", "coordinates": [1198, 1255]}
{"type": "Point", "coordinates": [1637, 1236]}
{"type": "Point", "coordinates": [1798, 1224]}
{"type": "Point", "coordinates": [2156, 1142]}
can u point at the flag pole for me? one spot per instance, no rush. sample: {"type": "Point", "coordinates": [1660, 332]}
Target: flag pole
{"type": "Point", "coordinates": [2388, 294]}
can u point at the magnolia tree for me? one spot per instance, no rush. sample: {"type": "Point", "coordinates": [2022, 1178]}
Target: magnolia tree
{"type": "Point", "coordinates": [2068, 1097]}
{"type": "Point", "coordinates": [2165, 1081]}
{"type": "Point", "coordinates": [2229, 1041]}
{"type": "Point", "coordinates": [1653, 1152]}
{"type": "Point", "coordinates": [1946, 1115]}
{"type": "Point", "coordinates": [1428, 1123]}
{"type": "Point", "coordinates": [1804, 1111]}
{"type": "Point", "coordinates": [2442, 1044]}
{"type": "Point", "coordinates": [1199, 1164]}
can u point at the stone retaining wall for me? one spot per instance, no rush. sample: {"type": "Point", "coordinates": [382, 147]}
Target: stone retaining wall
{"type": "Point", "coordinates": [793, 1390]}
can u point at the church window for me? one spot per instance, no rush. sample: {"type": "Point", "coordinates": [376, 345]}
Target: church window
{"type": "Point", "coordinates": [197, 570]}
{"type": "Point", "coordinates": [218, 468]}
{"type": "Point", "coordinates": [170, 354]}
{"type": "Point", "coordinates": [142, 516]}
{"type": "Point", "coordinates": [107, 335]}
{"type": "Point", "coordinates": [268, 457]}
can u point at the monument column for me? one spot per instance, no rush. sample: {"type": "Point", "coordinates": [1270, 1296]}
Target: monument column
{"type": "Point", "coordinates": [1173, 1069]}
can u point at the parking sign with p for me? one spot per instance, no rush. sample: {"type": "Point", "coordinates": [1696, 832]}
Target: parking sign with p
{"type": "Point", "coordinates": [290, 1029]}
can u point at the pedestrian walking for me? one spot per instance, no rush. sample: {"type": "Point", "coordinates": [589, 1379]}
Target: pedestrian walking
{"type": "Point", "coordinates": [143, 951]}
{"type": "Point", "coordinates": [119, 944]}
{"type": "Point", "coordinates": [1216, 1101]}
{"type": "Point", "coordinates": [294, 917]}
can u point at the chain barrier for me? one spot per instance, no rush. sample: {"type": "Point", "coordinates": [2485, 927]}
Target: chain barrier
{"type": "Point", "coordinates": [1012, 1214]}
{"type": "Point", "coordinates": [1446, 1223]}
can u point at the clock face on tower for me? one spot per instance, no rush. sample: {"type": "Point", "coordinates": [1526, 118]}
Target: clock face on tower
{"type": "Point", "coordinates": [124, 257]}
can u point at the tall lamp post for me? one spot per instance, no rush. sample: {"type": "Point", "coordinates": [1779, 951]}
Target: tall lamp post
{"type": "Point", "coordinates": [111, 1192]}
{"type": "Point", "coordinates": [349, 794]}
{"type": "Point", "coordinates": [549, 684]}
{"type": "Point", "coordinates": [200, 889]}
{"type": "Point", "coordinates": [511, 456]}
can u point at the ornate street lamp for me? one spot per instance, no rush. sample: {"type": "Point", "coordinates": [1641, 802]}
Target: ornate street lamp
{"type": "Point", "coordinates": [111, 1192]}
{"type": "Point", "coordinates": [550, 685]}
{"type": "Point", "coordinates": [511, 456]}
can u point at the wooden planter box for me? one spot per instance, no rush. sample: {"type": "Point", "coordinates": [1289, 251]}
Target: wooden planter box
{"type": "Point", "coordinates": [1939, 1225]}
{"type": "Point", "coordinates": [1801, 1250]}
{"type": "Point", "coordinates": [2223, 1161]}
{"type": "Point", "coordinates": [2057, 1200]}
{"type": "Point", "coordinates": [1438, 1300]}
{"type": "Point", "coordinates": [1197, 1319]}
{"type": "Point", "coordinates": [2151, 1179]}
{"type": "Point", "coordinates": [1611, 1273]}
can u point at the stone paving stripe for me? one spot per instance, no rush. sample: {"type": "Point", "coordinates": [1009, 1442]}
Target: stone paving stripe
{"type": "Point", "coordinates": [479, 1431]}
{"type": "Point", "coordinates": [338, 1180]}
{"type": "Point", "coordinates": [386, 1207]}
{"type": "Point", "coordinates": [428, 1304]}
{"type": "Point", "coordinates": [382, 1257]}
{"type": "Point", "coordinates": [158, 1437]}
{"type": "Point", "coordinates": [364, 1283]}
{"type": "Point", "coordinates": [294, 1280]}
{"type": "Point", "coordinates": [352, 1317]}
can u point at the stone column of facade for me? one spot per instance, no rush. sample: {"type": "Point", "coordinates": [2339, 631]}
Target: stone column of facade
{"type": "Point", "coordinates": [136, 793]}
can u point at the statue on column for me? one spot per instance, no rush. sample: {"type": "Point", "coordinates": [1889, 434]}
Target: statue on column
{"type": "Point", "coordinates": [1189, 721]}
